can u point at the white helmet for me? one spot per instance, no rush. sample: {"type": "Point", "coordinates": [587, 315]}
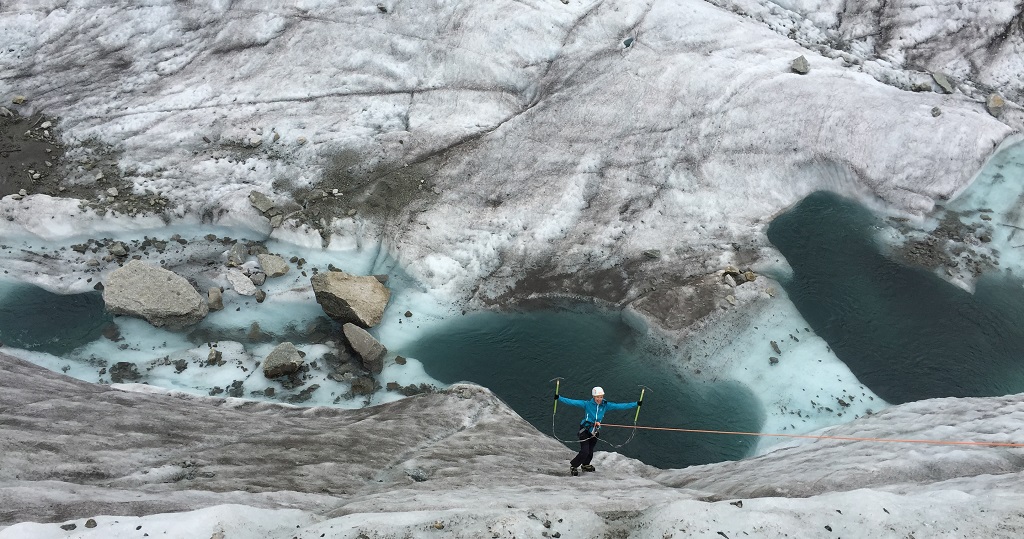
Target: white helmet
{"type": "Point", "coordinates": [597, 391]}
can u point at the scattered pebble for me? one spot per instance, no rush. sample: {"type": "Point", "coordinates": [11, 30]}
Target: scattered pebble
{"type": "Point", "coordinates": [800, 65]}
{"type": "Point", "coordinates": [994, 104]}
{"type": "Point", "coordinates": [943, 82]}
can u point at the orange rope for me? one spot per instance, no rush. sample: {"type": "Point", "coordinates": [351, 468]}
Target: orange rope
{"type": "Point", "coordinates": [846, 438]}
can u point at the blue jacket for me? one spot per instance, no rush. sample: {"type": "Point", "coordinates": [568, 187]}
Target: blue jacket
{"type": "Point", "coordinates": [594, 412]}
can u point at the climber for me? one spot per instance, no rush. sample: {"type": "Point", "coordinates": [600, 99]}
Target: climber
{"type": "Point", "coordinates": [590, 427]}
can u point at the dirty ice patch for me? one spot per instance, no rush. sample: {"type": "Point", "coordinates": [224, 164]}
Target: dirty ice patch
{"type": "Point", "coordinates": [979, 232]}
{"type": "Point", "coordinates": [217, 521]}
{"type": "Point", "coordinates": [994, 205]}
{"type": "Point", "coordinates": [42, 217]}
{"type": "Point", "coordinates": [801, 383]}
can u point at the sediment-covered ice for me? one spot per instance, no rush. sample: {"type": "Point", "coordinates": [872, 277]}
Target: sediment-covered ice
{"type": "Point", "coordinates": [472, 153]}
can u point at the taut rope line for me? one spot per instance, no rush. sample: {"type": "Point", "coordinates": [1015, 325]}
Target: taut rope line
{"type": "Point", "coordinates": [814, 437]}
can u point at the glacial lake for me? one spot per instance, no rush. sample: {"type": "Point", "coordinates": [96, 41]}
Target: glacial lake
{"type": "Point", "coordinates": [906, 333]}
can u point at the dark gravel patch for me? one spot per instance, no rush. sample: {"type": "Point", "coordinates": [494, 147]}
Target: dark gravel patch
{"type": "Point", "coordinates": [29, 153]}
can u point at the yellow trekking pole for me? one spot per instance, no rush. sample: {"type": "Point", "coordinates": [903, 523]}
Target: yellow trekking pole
{"type": "Point", "coordinates": [639, 403]}
{"type": "Point", "coordinates": [558, 382]}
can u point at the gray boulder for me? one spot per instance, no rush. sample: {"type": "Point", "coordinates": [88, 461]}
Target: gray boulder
{"type": "Point", "coordinates": [241, 282]}
{"type": "Point", "coordinates": [267, 207]}
{"type": "Point", "coordinates": [351, 298]}
{"type": "Point", "coordinates": [273, 265]}
{"type": "Point", "coordinates": [123, 371]}
{"type": "Point", "coordinates": [159, 296]}
{"type": "Point", "coordinates": [369, 350]}
{"type": "Point", "coordinates": [258, 278]}
{"type": "Point", "coordinates": [260, 201]}
{"type": "Point", "coordinates": [237, 255]}
{"type": "Point", "coordinates": [282, 360]}
{"type": "Point", "coordinates": [118, 249]}
{"type": "Point", "coordinates": [363, 385]}
{"type": "Point", "coordinates": [216, 299]}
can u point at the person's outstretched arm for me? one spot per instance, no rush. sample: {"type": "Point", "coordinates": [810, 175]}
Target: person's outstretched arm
{"type": "Point", "coordinates": [621, 405]}
{"type": "Point", "coordinates": [572, 402]}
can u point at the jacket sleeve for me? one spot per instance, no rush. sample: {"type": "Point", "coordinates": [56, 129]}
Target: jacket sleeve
{"type": "Point", "coordinates": [621, 405]}
{"type": "Point", "coordinates": [572, 402]}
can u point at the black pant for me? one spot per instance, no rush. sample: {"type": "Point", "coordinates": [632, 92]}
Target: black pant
{"type": "Point", "coordinates": [587, 442]}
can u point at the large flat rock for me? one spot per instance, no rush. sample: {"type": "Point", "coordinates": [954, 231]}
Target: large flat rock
{"type": "Point", "coordinates": [356, 299]}
{"type": "Point", "coordinates": [161, 297]}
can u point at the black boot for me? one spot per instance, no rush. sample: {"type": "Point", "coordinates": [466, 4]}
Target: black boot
{"type": "Point", "coordinates": [588, 468]}
{"type": "Point", "coordinates": [574, 471]}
